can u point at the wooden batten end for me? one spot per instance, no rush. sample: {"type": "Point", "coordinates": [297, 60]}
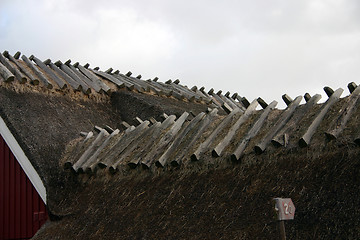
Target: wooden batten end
{"type": "Point", "coordinates": [6, 54]}
{"type": "Point", "coordinates": [328, 91]}
{"type": "Point", "coordinates": [159, 164]}
{"type": "Point", "coordinates": [109, 129]}
{"type": "Point", "coordinates": [76, 64]}
{"type": "Point", "coordinates": [202, 89]}
{"type": "Point", "coordinates": [164, 116]}
{"type": "Point", "coordinates": [47, 61]}
{"type": "Point", "coordinates": [208, 110]}
{"type": "Point", "coordinates": [145, 166]}
{"type": "Point", "coordinates": [194, 88]}
{"type": "Point", "coordinates": [211, 91]}
{"type": "Point", "coordinates": [97, 129]}
{"type": "Point", "coordinates": [132, 165]}
{"type": "Point", "coordinates": [155, 79]}
{"type": "Point", "coordinates": [303, 143]}
{"type": "Point", "coordinates": [234, 96]}
{"type": "Point", "coordinates": [287, 99]}
{"type": "Point", "coordinates": [117, 72]}
{"type": "Point", "coordinates": [128, 74]}
{"type": "Point", "coordinates": [307, 97]}
{"type": "Point", "coordinates": [352, 86]}
{"type": "Point", "coordinates": [258, 150]}
{"type": "Point", "coordinates": [139, 76]}
{"type": "Point", "coordinates": [17, 55]}
{"type": "Point", "coordinates": [67, 165]}
{"type": "Point", "coordinates": [113, 169]}
{"type": "Point", "coordinates": [330, 136]}
{"type": "Point", "coordinates": [84, 134]}
{"type": "Point", "coordinates": [262, 103]}
{"type": "Point", "coordinates": [168, 81]}
{"type": "Point", "coordinates": [139, 120]}
{"type": "Point", "coordinates": [31, 57]}
{"type": "Point", "coordinates": [226, 108]}
{"type": "Point", "coordinates": [177, 81]}
{"type": "Point", "coordinates": [227, 94]}
{"type": "Point", "coordinates": [124, 125]}
{"type": "Point", "coordinates": [87, 65]}
{"type": "Point", "coordinates": [152, 120]}
{"type": "Point", "coordinates": [245, 102]}
{"type": "Point", "coordinates": [234, 158]}
{"type": "Point", "coordinates": [96, 68]}
{"type": "Point", "coordinates": [58, 63]}
{"type": "Point", "coordinates": [109, 71]}
{"type": "Point", "coordinates": [219, 93]}
{"type": "Point", "coordinates": [194, 157]}
{"type": "Point", "coordinates": [67, 63]}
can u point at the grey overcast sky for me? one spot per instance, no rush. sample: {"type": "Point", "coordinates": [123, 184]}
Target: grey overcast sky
{"type": "Point", "coordinates": [256, 48]}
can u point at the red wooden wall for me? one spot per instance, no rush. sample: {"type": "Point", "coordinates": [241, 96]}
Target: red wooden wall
{"type": "Point", "coordinates": [22, 211]}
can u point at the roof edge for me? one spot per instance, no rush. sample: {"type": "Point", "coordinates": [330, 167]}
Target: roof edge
{"type": "Point", "coordinates": [22, 159]}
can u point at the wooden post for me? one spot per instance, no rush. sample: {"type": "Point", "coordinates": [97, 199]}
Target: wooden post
{"type": "Point", "coordinates": [280, 137]}
{"type": "Point", "coordinates": [205, 145]}
{"type": "Point", "coordinates": [284, 118]}
{"type": "Point", "coordinates": [75, 85]}
{"type": "Point", "coordinates": [282, 229]}
{"type": "Point", "coordinates": [48, 71]}
{"type": "Point", "coordinates": [33, 80]}
{"type": "Point", "coordinates": [164, 141]}
{"type": "Point", "coordinates": [334, 97]}
{"type": "Point", "coordinates": [231, 133]}
{"type": "Point", "coordinates": [38, 73]}
{"type": "Point", "coordinates": [347, 109]}
{"type": "Point", "coordinates": [237, 154]}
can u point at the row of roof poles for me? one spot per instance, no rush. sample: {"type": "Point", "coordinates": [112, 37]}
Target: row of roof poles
{"type": "Point", "coordinates": [173, 141]}
{"type": "Point", "coordinates": [83, 79]}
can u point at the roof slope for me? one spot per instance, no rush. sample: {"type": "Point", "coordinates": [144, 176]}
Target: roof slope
{"type": "Point", "coordinates": [210, 160]}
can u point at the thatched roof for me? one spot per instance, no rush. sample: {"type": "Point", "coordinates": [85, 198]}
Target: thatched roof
{"type": "Point", "coordinates": [210, 165]}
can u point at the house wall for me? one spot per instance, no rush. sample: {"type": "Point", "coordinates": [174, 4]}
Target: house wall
{"type": "Point", "coordinates": [22, 211]}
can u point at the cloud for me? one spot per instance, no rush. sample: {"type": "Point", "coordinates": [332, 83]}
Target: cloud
{"type": "Point", "coordinates": [256, 48]}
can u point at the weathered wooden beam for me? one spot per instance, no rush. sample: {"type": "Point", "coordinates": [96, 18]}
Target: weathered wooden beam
{"type": "Point", "coordinates": [178, 139]}
{"type": "Point", "coordinates": [48, 71]}
{"type": "Point", "coordinates": [262, 103]}
{"type": "Point", "coordinates": [6, 74]}
{"type": "Point", "coordinates": [334, 97]}
{"type": "Point", "coordinates": [18, 75]}
{"type": "Point", "coordinates": [91, 163]}
{"type": "Point", "coordinates": [109, 77]}
{"type": "Point", "coordinates": [237, 104]}
{"type": "Point", "coordinates": [139, 85]}
{"type": "Point", "coordinates": [95, 79]}
{"type": "Point", "coordinates": [279, 139]}
{"type": "Point", "coordinates": [203, 125]}
{"type": "Point", "coordinates": [32, 79]}
{"type": "Point", "coordinates": [156, 134]}
{"type": "Point", "coordinates": [79, 149]}
{"type": "Point", "coordinates": [136, 144]}
{"type": "Point", "coordinates": [287, 99]}
{"type": "Point", "coordinates": [88, 152]}
{"type": "Point", "coordinates": [37, 72]}
{"type": "Point", "coordinates": [239, 151]}
{"type": "Point", "coordinates": [75, 85]}
{"type": "Point", "coordinates": [352, 86]}
{"type": "Point", "coordinates": [123, 142]}
{"type": "Point", "coordinates": [177, 81]}
{"type": "Point", "coordinates": [307, 97]}
{"type": "Point", "coordinates": [280, 123]}
{"type": "Point", "coordinates": [86, 89]}
{"type": "Point", "coordinates": [164, 141]}
{"type": "Point", "coordinates": [196, 156]}
{"type": "Point", "coordinates": [216, 152]}
{"type": "Point", "coordinates": [338, 124]}
{"type": "Point", "coordinates": [84, 78]}
{"type": "Point", "coordinates": [328, 91]}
